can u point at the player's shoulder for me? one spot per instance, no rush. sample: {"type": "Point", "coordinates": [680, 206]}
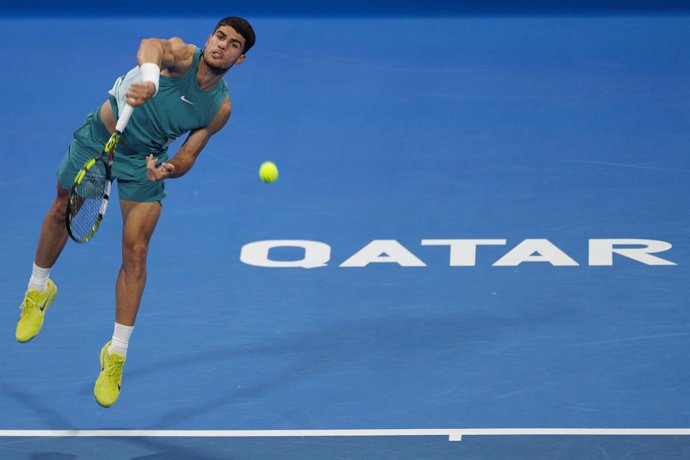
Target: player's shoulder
{"type": "Point", "coordinates": [179, 45]}
{"type": "Point", "coordinates": [180, 50]}
{"type": "Point", "coordinates": [179, 55]}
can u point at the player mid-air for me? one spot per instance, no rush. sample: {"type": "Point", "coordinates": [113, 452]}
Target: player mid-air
{"type": "Point", "coordinates": [176, 88]}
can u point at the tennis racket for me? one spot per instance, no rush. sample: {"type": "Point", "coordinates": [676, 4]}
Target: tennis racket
{"type": "Point", "coordinates": [90, 193]}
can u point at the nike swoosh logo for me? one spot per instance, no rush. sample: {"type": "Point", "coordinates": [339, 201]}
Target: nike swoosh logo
{"type": "Point", "coordinates": [184, 99]}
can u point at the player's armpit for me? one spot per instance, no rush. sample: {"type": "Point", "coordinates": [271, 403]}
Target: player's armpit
{"type": "Point", "coordinates": [196, 141]}
{"type": "Point", "coordinates": [221, 117]}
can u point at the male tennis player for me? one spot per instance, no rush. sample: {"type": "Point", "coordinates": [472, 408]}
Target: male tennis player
{"type": "Point", "coordinates": [177, 88]}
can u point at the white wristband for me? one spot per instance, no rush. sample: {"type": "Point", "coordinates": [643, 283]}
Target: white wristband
{"type": "Point", "coordinates": [150, 72]}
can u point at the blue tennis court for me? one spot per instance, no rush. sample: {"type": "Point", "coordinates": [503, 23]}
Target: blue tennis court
{"type": "Point", "coordinates": [477, 247]}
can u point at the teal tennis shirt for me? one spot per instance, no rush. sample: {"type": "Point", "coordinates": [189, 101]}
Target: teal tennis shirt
{"type": "Point", "coordinates": [178, 107]}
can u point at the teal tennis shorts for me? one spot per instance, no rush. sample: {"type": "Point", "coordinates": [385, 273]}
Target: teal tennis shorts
{"type": "Point", "coordinates": [88, 141]}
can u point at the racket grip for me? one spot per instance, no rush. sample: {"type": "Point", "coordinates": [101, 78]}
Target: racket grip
{"type": "Point", "coordinates": [124, 118]}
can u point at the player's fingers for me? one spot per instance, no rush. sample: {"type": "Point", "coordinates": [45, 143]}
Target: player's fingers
{"type": "Point", "coordinates": [144, 90]}
{"type": "Point", "coordinates": [151, 162]}
{"type": "Point", "coordinates": [151, 168]}
{"type": "Point", "coordinates": [135, 101]}
{"type": "Point", "coordinates": [137, 94]}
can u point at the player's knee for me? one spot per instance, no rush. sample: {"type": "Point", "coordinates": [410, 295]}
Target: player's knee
{"type": "Point", "coordinates": [134, 253]}
{"type": "Point", "coordinates": [58, 212]}
{"type": "Point", "coordinates": [59, 208]}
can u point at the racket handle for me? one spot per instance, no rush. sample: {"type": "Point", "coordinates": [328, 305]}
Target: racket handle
{"type": "Point", "coordinates": [124, 118]}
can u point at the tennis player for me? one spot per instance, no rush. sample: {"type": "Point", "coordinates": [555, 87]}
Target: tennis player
{"type": "Point", "coordinates": [176, 88]}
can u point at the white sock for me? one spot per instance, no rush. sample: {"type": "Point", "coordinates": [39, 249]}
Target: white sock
{"type": "Point", "coordinates": [39, 278]}
{"type": "Point", "coordinates": [120, 341]}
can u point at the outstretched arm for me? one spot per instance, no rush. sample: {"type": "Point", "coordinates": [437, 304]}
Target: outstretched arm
{"type": "Point", "coordinates": [190, 150]}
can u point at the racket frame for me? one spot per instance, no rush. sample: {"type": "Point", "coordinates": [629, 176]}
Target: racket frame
{"type": "Point", "coordinates": [108, 152]}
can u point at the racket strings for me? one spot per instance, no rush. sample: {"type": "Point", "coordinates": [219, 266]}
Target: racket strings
{"type": "Point", "coordinates": [88, 202]}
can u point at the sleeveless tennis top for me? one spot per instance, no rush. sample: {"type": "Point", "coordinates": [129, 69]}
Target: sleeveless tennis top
{"type": "Point", "coordinates": [178, 107]}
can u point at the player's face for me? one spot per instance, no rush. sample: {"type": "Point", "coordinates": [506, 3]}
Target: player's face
{"type": "Point", "coordinates": [224, 49]}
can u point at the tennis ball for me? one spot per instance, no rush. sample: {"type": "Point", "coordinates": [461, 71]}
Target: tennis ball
{"type": "Point", "coordinates": [268, 172]}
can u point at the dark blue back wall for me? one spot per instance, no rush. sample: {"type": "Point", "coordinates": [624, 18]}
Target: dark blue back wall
{"type": "Point", "coordinates": [344, 7]}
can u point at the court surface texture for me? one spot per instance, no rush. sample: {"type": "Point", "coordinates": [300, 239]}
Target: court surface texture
{"type": "Point", "coordinates": [477, 246]}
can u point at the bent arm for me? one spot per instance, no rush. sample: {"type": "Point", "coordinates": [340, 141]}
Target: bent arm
{"type": "Point", "coordinates": [185, 157]}
{"type": "Point", "coordinates": [173, 57]}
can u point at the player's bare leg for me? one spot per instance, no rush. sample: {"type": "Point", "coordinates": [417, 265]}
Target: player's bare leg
{"type": "Point", "coordinates": [139, 222]}
{"type": "Point", "coordinates": [53, 231]}
{"type": "Point", "coordinates": [41, 290]}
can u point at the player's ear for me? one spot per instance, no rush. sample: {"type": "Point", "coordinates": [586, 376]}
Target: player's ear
{"type": "Point", "coordinates": [240, 59]}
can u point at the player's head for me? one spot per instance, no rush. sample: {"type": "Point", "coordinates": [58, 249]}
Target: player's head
{"type": "Point", "coordinates": [242, 27]}
{"type": "Point", "coordinates": [227, 45]}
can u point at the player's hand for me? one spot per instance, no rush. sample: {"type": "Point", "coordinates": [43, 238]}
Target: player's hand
{"type": "Point", "coordinates": [139, 93]}
{"type": "Point", "coordinates": [154, 173]}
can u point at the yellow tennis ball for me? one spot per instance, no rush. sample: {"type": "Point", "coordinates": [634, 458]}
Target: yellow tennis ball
{"type": "Point", "coordinates": [268, 172]}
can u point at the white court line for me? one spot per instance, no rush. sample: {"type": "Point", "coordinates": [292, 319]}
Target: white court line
{"type": "Point", "coordinates": [454, 434]}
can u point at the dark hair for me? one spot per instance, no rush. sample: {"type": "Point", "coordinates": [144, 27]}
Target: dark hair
{"type": "Point", "coordinates": [242, 27]}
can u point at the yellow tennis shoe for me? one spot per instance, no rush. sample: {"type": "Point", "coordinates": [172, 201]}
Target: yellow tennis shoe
{"type": "Point", "coordinates": [33, 313]}
{"type": "Point", "coordinates": [107, 388]}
